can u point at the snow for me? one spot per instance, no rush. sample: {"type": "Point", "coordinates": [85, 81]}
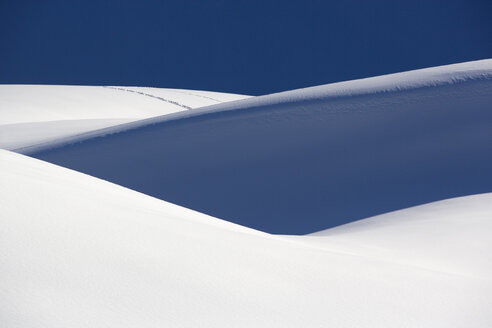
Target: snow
{"type": "Point", "coordinates": [20, 135]}
{"type": "Point", "coordinates": [451, 235]}
{"type": "Point", "coordinates": [81, 252]}
{"type": "Point", "coordinates": [78, 250]}
{"type": "Point", "coordinates": [38, 114]}
{"type": "Point", "coordinates": [41, 103]}
{"type": "Point", "coordinates": [296, 162]}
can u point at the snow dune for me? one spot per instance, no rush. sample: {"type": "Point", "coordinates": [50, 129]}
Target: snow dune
{"type": "Point", "coordinates": [305, 160]}
{"type": "Point", "coordinates": [37, 114]}
{"type": "Point", "coordinates": [81, 252]}
{"type": "Point", "coordinates": [78, 251]}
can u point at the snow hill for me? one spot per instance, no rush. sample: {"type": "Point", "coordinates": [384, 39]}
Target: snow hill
{"type": "Point", "coordinates": [79, 251]}
{"type": "Point", "coordinates": [305, 160]}
{"type": "Point", "coordinates": [37, 114]}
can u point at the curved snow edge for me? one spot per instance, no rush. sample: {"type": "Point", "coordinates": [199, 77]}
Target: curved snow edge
{"type": "Point", "coordinates": [463, 73]}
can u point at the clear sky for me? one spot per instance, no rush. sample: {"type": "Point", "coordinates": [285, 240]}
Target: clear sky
{"type": "Point", "coordinates": [250, 47]}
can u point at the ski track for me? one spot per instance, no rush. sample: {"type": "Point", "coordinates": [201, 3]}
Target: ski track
{"type": "Point", "coordinates": [152, 96]}
{"type": "Point", "coordinates": [195, 95]}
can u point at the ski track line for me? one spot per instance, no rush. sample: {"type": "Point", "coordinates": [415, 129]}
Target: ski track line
{"type": "Point", "coordinates": [195, 95]}
{"type": "Point", "coordinates": [152, 96]}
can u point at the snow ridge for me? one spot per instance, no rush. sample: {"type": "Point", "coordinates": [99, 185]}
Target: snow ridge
{"type": "Point", "coordinates": [385, 143]}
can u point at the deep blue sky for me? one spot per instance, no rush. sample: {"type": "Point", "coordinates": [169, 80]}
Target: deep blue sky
{"type": "Point", "coordinates": [234, 46]}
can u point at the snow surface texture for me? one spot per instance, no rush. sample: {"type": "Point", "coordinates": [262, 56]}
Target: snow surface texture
{"type": "Point", "coordinates": [81, 252]}
{"type": "Point", "coordinates": [77, 251]}
{"type": "Point", "coordinates": [37, 114]}
{"type": "Point", "coordinates": [305, 160]}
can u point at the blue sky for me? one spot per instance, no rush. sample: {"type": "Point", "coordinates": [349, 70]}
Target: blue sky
{"type": "Point", "coordinates": [245, 47]}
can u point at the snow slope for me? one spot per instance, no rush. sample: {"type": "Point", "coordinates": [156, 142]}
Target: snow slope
{"type": "Point", "coordinates": [76, 251]}
{"type": "Point", "coordinates": [37, 114]}
{"type": "Point", "coordinates": [305, 160]}
{"type": "Point", "coordinates": [451, 235]}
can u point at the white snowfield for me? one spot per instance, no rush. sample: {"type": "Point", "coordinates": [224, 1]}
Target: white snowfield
{"type": "Point", "coordinates": [78, 251]}
{"type": "Point", "coordinates": [442, 236]}
{"type": "Point", "coordinates": [81, 252]}
{"type": "Point", "coordinates": [38, 114]}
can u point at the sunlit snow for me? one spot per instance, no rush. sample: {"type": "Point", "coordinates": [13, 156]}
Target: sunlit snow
{"type": "Point", "coordinates": [79, 251]}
